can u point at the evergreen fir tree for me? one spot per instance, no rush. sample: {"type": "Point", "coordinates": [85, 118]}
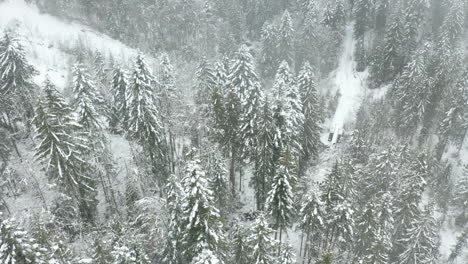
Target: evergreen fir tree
{"type": "Point", "coordinates": [218, 183]}
{"type": "Point", "coordinates": [285, 38]}
{"type": "Point", "coordinates": [269, 58]}
{"type": "Point", "coordinates": [312, 216]}
{"type": "Point", "coordinates": [261, 242]}
{"type": "Point", "coordinates": [132, 254]}
{"type": "Point", "coordinates": [460, 196]}
{"type": "Point", "coordinates": [17, 247]}
{"type": "Point", "coordinates": [86, 99]}
{"type": "Point", "coordinates": [201, 218]}
{"type": "Point", "coordinates": [362, 15]}
{"type": "Point", "coordinates": [413, 17]}
{"type": "Point", "coordinates": [144, 123]}
{"type": "Point", "coordinates": [101, 253]}
{"type": "Point", "coordinates": [390, 61]}
{"type": "Point", "coordinates": [206, 257]}
{"type": "Point", "coordinates": [205, 83]}
{"type": "Point", "coordinates": [245, 81]}
{"type": "Point", "coordinates": [420, 240]}
{"type": "Point", "coordinates": [16, 74]}
{"type": "Point", "coordinates": [279, 203]}
{"type": "Point", "coordinates": [264, 166]}
{"type": "Point", "coordinates": [61, 153]}
{"type": "Point", "coordinates": [120, 99]}
{"type": "Point", "coordinates": [172, 252]}
{"type": "Point", "coordinates": [239, 246]}
{"type": "Point", "coordinates": [310, 135]}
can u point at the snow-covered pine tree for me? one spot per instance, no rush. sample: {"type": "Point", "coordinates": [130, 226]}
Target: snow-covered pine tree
{"type": "Point", "coordinates": [260, 241]}
{"type": "Point", "coordinates": [131, 254]}
{"type": "Point", "coordinates": [420, 240]}
{"type": "Point", "coordinates": [61, 153]}
{"type": "Point", "coordinates": [119, 115]}
{"type": "Point", "coordinates": [460, 194]}
{"type": "Point", "coordinates": [269, 59]}
{"type": "Point", "coordinates": [172, 252]}
{"type": "Point", "coordinates": [334, 15]}
{"type": "Point", "coordinates": [168, 97]}
{"type": "Point", "coordinates": [389, 61]}
{"type": "Point", "coordinates": [16, 74]}
{"type": "Point", "coordinates": [218, 114]}
{"type": "Point", "coordinates": [287, 255]}
{"type": "Point", "coordinates": [310, 134]}
{"type": "Point", "coordinates": [411, 93]}
{"type": "Point", "coordinates": [205, 82]}
{"type": "Point", "coordinates": [206, 256]}
{"type": "Point", "coordinates": [287, 112]}
{"type": "Point", "coordinates": [202, 228]}
{"type": "Point", "coordinates": [246, 82]}
{"type": "Point", "coordinates": [218, 183]}
{"type": "Point", "coordinates": [285, 39]}
{"type": "Point", "coordinates": [264, 167]}
{"type": "Point", "coordinates": [86, 99]}
{"type": "Point", "coordinates": [101, 251]}
{"type": "Point", "coordinates": [279, 203]}
{"type": "Point", "coordinates": [16, 247]}
{"type": "Point", "coordinates": [239, 246]}
{"type": "Point", "coordinates": [144, 123]}
{"type": "Point", "coordinates": [407, 212]}
{"type": "Point", "coordinates": [362, 14]}
{"type": "Point", "coordinates": [366, 230]}
{"type": "Point", "coordinates": [312, 216]}
{"type": "Point", "coordinates": [413, 19]}
{"type": "Point", "coordinates": [382, 8]}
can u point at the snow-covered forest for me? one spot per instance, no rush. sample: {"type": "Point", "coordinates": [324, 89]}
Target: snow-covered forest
{"type": "Point", "coordinates": [233, 131]}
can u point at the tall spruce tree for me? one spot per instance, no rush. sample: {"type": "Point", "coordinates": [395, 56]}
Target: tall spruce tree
{"type": "Point", "coordinates": [264, 167]}
{"type": "Point", "coordinates": [61, 152]}
{"type": "Point", "coordinates": [119, 115]}
{"type": "Point", "coordinates": [202, 228]}
{"type": "Point", "coordinates": [15, 75]}
{"type": "Point", "coordinates": [144, 122]}
{"type": "Point", "coordinates": [261, 242]}
{"type": "Point", "coordinates": [310, 134]}
{"type": "Point", "coordinates": [86, 99]}
{"type": "Point", "coordinates": [285, 39]}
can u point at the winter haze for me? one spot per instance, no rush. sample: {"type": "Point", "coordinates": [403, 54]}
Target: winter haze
{"type": "Point", "coordinates": [233, 131]}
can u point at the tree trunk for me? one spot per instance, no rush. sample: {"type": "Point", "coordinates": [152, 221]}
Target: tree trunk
{"type": "Point", "coordinates": [232, 172]}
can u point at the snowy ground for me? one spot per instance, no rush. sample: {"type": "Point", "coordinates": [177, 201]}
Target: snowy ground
{"type": "Point", "coordinates": [48, 40]}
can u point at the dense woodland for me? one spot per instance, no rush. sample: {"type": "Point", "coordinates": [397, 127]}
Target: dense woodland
{"type": "Point", "coordinates": [232, 91]}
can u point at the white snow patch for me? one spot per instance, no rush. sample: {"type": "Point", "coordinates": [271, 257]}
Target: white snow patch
{"type": "Point", "coordinates": [350, 84]}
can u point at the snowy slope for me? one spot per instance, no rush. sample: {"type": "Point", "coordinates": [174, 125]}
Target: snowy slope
{"type": "Point", "coordinates": [350, 84]}
{"type": "Point", "coordinates": [47, 40]}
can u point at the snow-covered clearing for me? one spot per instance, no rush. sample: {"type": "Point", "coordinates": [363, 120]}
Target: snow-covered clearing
{"type": "Point", "coordinates": [350, 84]}
{"type": "Point", "coordinates": [48, 40]}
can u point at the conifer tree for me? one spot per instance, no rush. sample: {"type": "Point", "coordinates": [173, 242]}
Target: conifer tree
{"type": "Point", "coordinates": [17, 247]}
{"type": "Point", "coordinates": [269, 59]}
{"type": "Point", "coordinates": [172, 252]}
{"type": "Point", "coordinates": [61, 153]}
{"type": "Point", "coordinates": [420, 240]}
{"type": "Point", "coordinates": [261, 242]}
{"type": "Point", "coordinates": [264, 166]}
{"type": "Point", "coordinates": [205, 83]}
{"type": "Point", "coordinates": [16, 74]}
{"type": "Point", "coordinates": [285, 38]}
{"type": "Point", "coordinates": [239, 246]}
{"type": "Point", "coordinates": [279, 203]}
{"type": "Point", "coordinates": [144, 123]}
{"type": "Point", "coordinates": [312, 216]}
{"type": "Point", "coordinates": [390, 60]}
{"type": "Point", "coordinates": [86, 99]}
{"type": "Point", "coordinates": [362, 15]}
{"type": "Point", "coordinates": [413, 18]}
{"type": "Point", "coordinates": [412, 93]}
{"type": "Point", "coordinates": [201, 220]}
{"type": "Point", "coordinates": [245, 81]}
{"type": "Point", "coordinates": [287, 111]}
{"type": "Point", "coordinates": [460, 196]}
{"type": "Point", "coordinates": [132, 254]}
{"type": "Point", "coordinates": [119, 117]}
{"type": "Point", "coordinates": [218, 183]}
{"type": "Point", "coordinates": [310, 136]}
